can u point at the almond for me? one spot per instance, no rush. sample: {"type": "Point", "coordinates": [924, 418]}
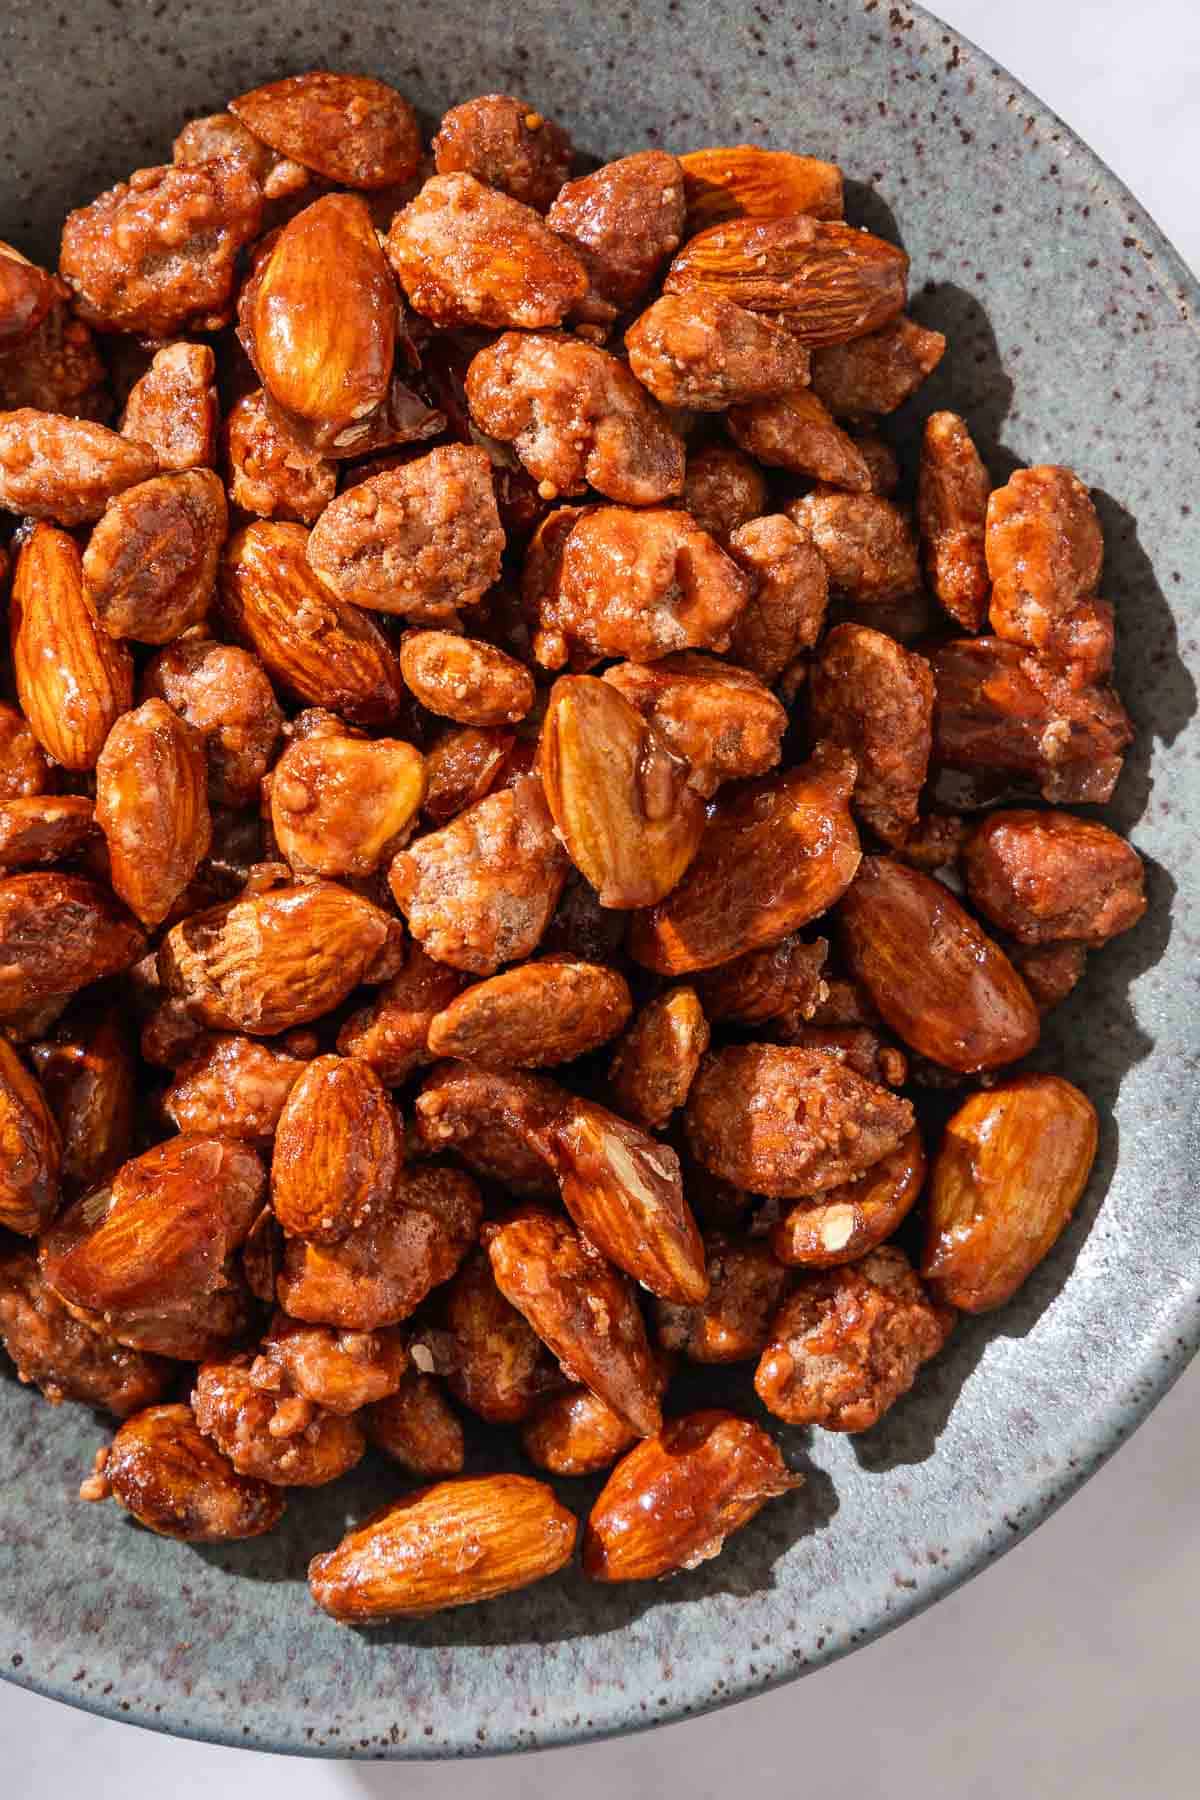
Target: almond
{"type": "Point", "coordinates": [274, 960]}
{"type": "Point", "coordinates": [1010, 1170]}
{"type": "Point", "coordinates": [73, 681]}
{"type": "Point", "coordinates": [656, 1061]}
{"type": "Point", "coordinates": [543, 1012]}
{"type": "Point", "coordinates": [671, 1503]}
{"type": "Point", "coordinates": [321, 649]}
{"type": "Point", "coordinates": [583, 1310]}
{"type": "Point", "coordinates": [845, 1222]}
{"type": "Point", "coordinates": [152, 806]}
{"type": "Point", "coordinates": [59, 933]}
{"type": "Point", "coordinates": [775, 853]}
{"type": "Point", "coordinates": [624, 1190]}
{"type": "Point", "coordinates": [342, 805]}
{"type": "Point", "coordinates": [337, 1150]}
{"type": "Point", "coordinates": [575, 1433]}
{"type": "Point", "coordinates": [65, 469]}
{"type": "Point", "coordinates": [152, 1252]}
{"type": "Point", "coordinates": [162, 1469]}
{"type": "Point", "coordinates": [934, 976]}
{"type": "Point", "coordinates": [494, 1362]}
{"type": "Point", "coordinates": [745, 181]}
{"type": "Point", "coordinates": [733, 1322]}
{"type": "Point", "coordinates": [619, 796]}
{"type": "Point", "coordinates": [151, 562]}
{"type": "Point", "coordinates": [826, 281]}
{"type": "Point", "coordinates": [30, 1148]}
{"type": "Point", "coordinates": [233, 1085]}
{"type": "Point", "coordinates": [417, 1427]}
{"type": "Point", "coordinates": [318, 321]}
{"type": "Point", "coordinates": [355, 131]}
{"type": "Point", "coordinates": [44, 828]}
{"type": "Point", "coordinates": [446, 1545]}
{"type": "Point", "coordinates": [86, 1070]}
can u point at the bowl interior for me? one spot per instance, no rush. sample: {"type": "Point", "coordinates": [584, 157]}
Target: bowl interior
{"type": "Point", "coordinates": [1072, 338]}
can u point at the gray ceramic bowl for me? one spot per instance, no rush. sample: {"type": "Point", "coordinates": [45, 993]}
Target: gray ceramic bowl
{"type": "Point", "coordinates": [1072, 333]}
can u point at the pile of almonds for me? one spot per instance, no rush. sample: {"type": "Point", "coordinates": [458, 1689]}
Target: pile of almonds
{"type": "Point", "coordinates": [463, 626]}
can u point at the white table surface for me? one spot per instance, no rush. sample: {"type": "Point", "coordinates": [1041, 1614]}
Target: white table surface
{"type": "Point", "coordinates": [1069, 1669]}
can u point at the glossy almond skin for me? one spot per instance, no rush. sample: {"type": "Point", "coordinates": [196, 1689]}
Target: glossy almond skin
{"type": "Point", "coordinates": [86, 1071]}
{"type": "Point", "coordinates": [468, 255]}
{"type": "Point", "coordinates": [776, 852]}
{"type": "Point", "coordinates": [1010, 1170]}
{"type": "Point", "coordinates": [355, 131]}
{"type": "Point", "coordinates": [1044, 877]}
{"type": "Point", "coordinates": [417, 1427]}
{"type": "Point", "coordinates": [618, 795]}
{"type": "Point", "coordinates": [732, 1323]}
{"type": "Point", "coordinates": [786, 980]}
{"type": "Point", "coordinates": [499, 1124]}
{"type": "Point", "coordinates": [824, 280]}
{"type": "Point", "coordinates": [342, 805]}
{"type": "Point", "coordinates": [720, 719]}
{"type": "Point", "coordinates": [934, 976]}
{"type": "Point", "coordinates": [59, 933]}
{"type": "Point", "coordinates": [787, 1122]}
{"type": "Point", "coordinates": [223, 692]}
{"type": "Point", "coordinates": [656, 1061]}
{"type": "Point", "coordinates": [744, 181]}
{"type": "Point", "coordinates": [543, 1012]}
{"type": "Point", "coordinates": [319, 648]}
{"type": "Point", "coordinates": [952, 501]}
{"type": "Point", "coordinates": [846, 1222]}
{"type": "Point", "coordinates": [65, 1358]}
{"type": "Point", "coordinates": [463, 679]}
{"type": "Point", "coordinates": [151, 561]}
{"type": "Point", "coordinates": [65, 469]}
{"type": "Point", "coordinates": [318, 320]}
{"type": "Point", "coordinates": [704, 353]}
{"type": "Point", "coordinates": [342, 1371]}
{"type": "Point", "coordinates": [392, 1032]}
{"type": "Point", "coordinates": [447, 1545]}
{"type": "Point", "coordinates": [378, 1273]}
{"type": "Point", "coordinates": [152, 806]}
{"type": "Point", "coordinates": [875, 698]}
{"type": "Point", "coordinates": [584, 1310]}
{"type": "Point", "coordinates": [30, 1149]}
{"type": "Point", "coordinates": [173, 408]}
{"type": "Point", "coordinates": [575, 1433]}
{"type": "Point", "coordinates": [506, 144]}
{"type": "Point", "coordinates": [163, 1470]}
{"type": "Point", "coordinates": [337, 1150]}
{"type": "Point", "coordinates": [153, 1248]}
{"type": "Point", "coordinates": [494, 1362]}
{"type": "Point", "coordinates": [671, 1503]}
{"type": "Point", "coordinates": [272, 961]}
{"type": "Point", "coordinates": [73, 682]}
{"type": "Point", "coordinates": [624, 1190]}
{"type": "Point", "coordinates": [43, 828]}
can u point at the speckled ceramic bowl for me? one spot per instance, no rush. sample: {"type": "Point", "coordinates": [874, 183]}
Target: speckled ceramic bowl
{"type": "Point", "coordinates": [1072, 333]}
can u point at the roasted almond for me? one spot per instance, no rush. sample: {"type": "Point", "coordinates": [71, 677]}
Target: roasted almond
{"type": "Point", "coordinates": [417, 1427]}
{"type": "Point", "coordinates": [151, 562]}
{"type": "Point", "coordinates": [162, 1469]}
{"type": "Point", "coordinates": [152, 806]}
{"type": "Point", "coordinates": [775, 853]}
{"type": "Point", "coordinates": [73, 681]}
{"type": "Point", "coordinates": [575, 1433]}
{"type": "Point", "coordinates": [583, 1310]}
{"type": "Point", "coordinates": [44, 828]}
{"type": "Point", "coordinates": [337, 1150]}
{"type": "Point", "coordinates": [733, 1322]}
{"type": "Point", "coordinates": [463, 679]}
{"type": "Point", "coordinates": [344, 805]}
{"type": "Point", "coordinates": [233, 1085]}
{"type": "Point", "coordinates": [318, 321]}
{"type": "Point", "coordinates": [543, 1012]}
{"type": "Point", "coordinates": [58, 933]}
{"type": "Point", "coordinates": [1011, 1167]}
{"type": "Point", "coordinates": [355, 131]}
{"type": "Point", "coordinates": [30, 1148]}
{"type": "Point", "coordinates": [447, 1545]}
{"type": "Point", "coordinates": [65, 469]}
{"type": "Point", "coordinates": [934, 976]}
{"type": "Point", "coordinates": [671, 1503]}
{"type": "Point", "coordinates": [624, 1190]}
{"type": "Point", "coordinates": [826, 281]}
{"type": "Point", "coordinates": [657, 1059]}
{"type": "Point", "coordinates": [321, 649]}
{"type": "Point", "coordinates": [86, 1071]}
{"type": "Point", "coordinates": [493, 1360]}
{"type": "Point", "coordinates": [619, 796]}
{"type": "Point", "coordinates": [744, 181]}
{"type": "Point", "coordinates": [275, 960]}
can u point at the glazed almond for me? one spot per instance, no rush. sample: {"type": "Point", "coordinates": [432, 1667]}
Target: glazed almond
{"type": "Point", "coordinates": [152, 806]}
{"type": "Point", "coordinates": [447, 1545]}
{"type": "Point", "coordinates": [30, 1149]}
{"type": "Point", "coordinates": [845, 1222]}
{"type": "Point", "coordinates": [543, 1012]}
{"type": "Point", "coordinates": [934, 976]}
{"type": "Point", "coordinates": [66, 470]}
{"type": "Point", "coordinates": [355, 131]}
{"type": "Point", "coordinates": [164, 1472]}
{"type": "Point", "coordinates": [73, 682]}
{"type": "Point", "coordinates": [745, 181]}
{"type": "Point", "coordinates": [151, 562]}
{"type": "Point", "coordinates": [775, 853]}
{"type": "Point", "coordinates": [344, 805]}
{"type": "Point", "coordinates": [59, 933]}
{"type": "Point", "coordinates": [337, 1150]}
{"type": "Point", "coordinates": [1012, 1165]}
{"type": "Point", "coordinates": [673, 1500]}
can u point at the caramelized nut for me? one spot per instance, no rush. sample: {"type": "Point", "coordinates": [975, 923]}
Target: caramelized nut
{"type": "Point", "coordinates": [86, 1071]}
{"type": "Point", "coordinates": [622, 221]}
{"type": "Point", "coordinates": [392, 1033]}
{"type": "Point", "coordinates": [784, 979]}
{"type": "Point", "coordinates": [221, 691]}
{"type": "Point", "coordinates": [718, 718]}
{"type": "Point", "coordinates": [461, 678]}
{"type": "Point", "coordinates": [270, 472]}
{"type": "Point", "coordinates": [575, 1433]}
{"type": "Point", "coordinates": [952, 501]}
{"type": "Point", "coordinates": [341, 1371]}
{"type": "Point", "coordinates": [867, 544]}
{"type": "Point", "coordinates": [417, 1427]}
{"type": "Point", "coordinates": [343, 805]}
{"type": "Point", "coordinates": [232, 1085]}
{"type": "Point", "coordinates": [493, 1360]}
{"type": "Point", "coordinates": [64, 1358]}
{"type": "Point", "coordinates": [337, 1151]}
{"type": "Point", "coordinates": [656, 1061]}
{"type": "Point", "coordinates": [151, 562]}
{"type": "Point", "coordinates": [879, 372]}
{"type": "Point", "coordinates": [732, 1324]}
{"type": "Point", "coordinates": [1010, 1170]}
{"type": "Point", "coordinates": [505, 145]}
{"type": "Point", "coordinates": [1045, 876]}
{"type": "Point", "coordinates": [794, 431]}
{"type": "Point", "coordinates": [744, 181]}
{"type": "Point", "coordinates": [673, 1500]}
{"type": "Point", "coordinates": [722, 489]}
{"type": "Point", "coordinates": [699, 351]}
{"type": "Point", "coordinates": [152, 806]}
{"type": "Point", "coordinates": [875, 699]}
{"type": "Point", "coordinates": [30, 1149]}
{"type": "Point", "coordinates": [287, 1442]}
{"type": "Point", "coordinates": [59, 933]}
{"type": "Point", "coordinates": [845, 1222]}
{"type": "Point", "coordinates": [785, 613]}
{"type": "Point", "coordinates": [163, 1470]}
{"type": "Point", "coordinates": [545, 1012]}
{"type": "Point", "coordinates": [173, 408]}
{"type": "Point", "coordinates": [352, 129]}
